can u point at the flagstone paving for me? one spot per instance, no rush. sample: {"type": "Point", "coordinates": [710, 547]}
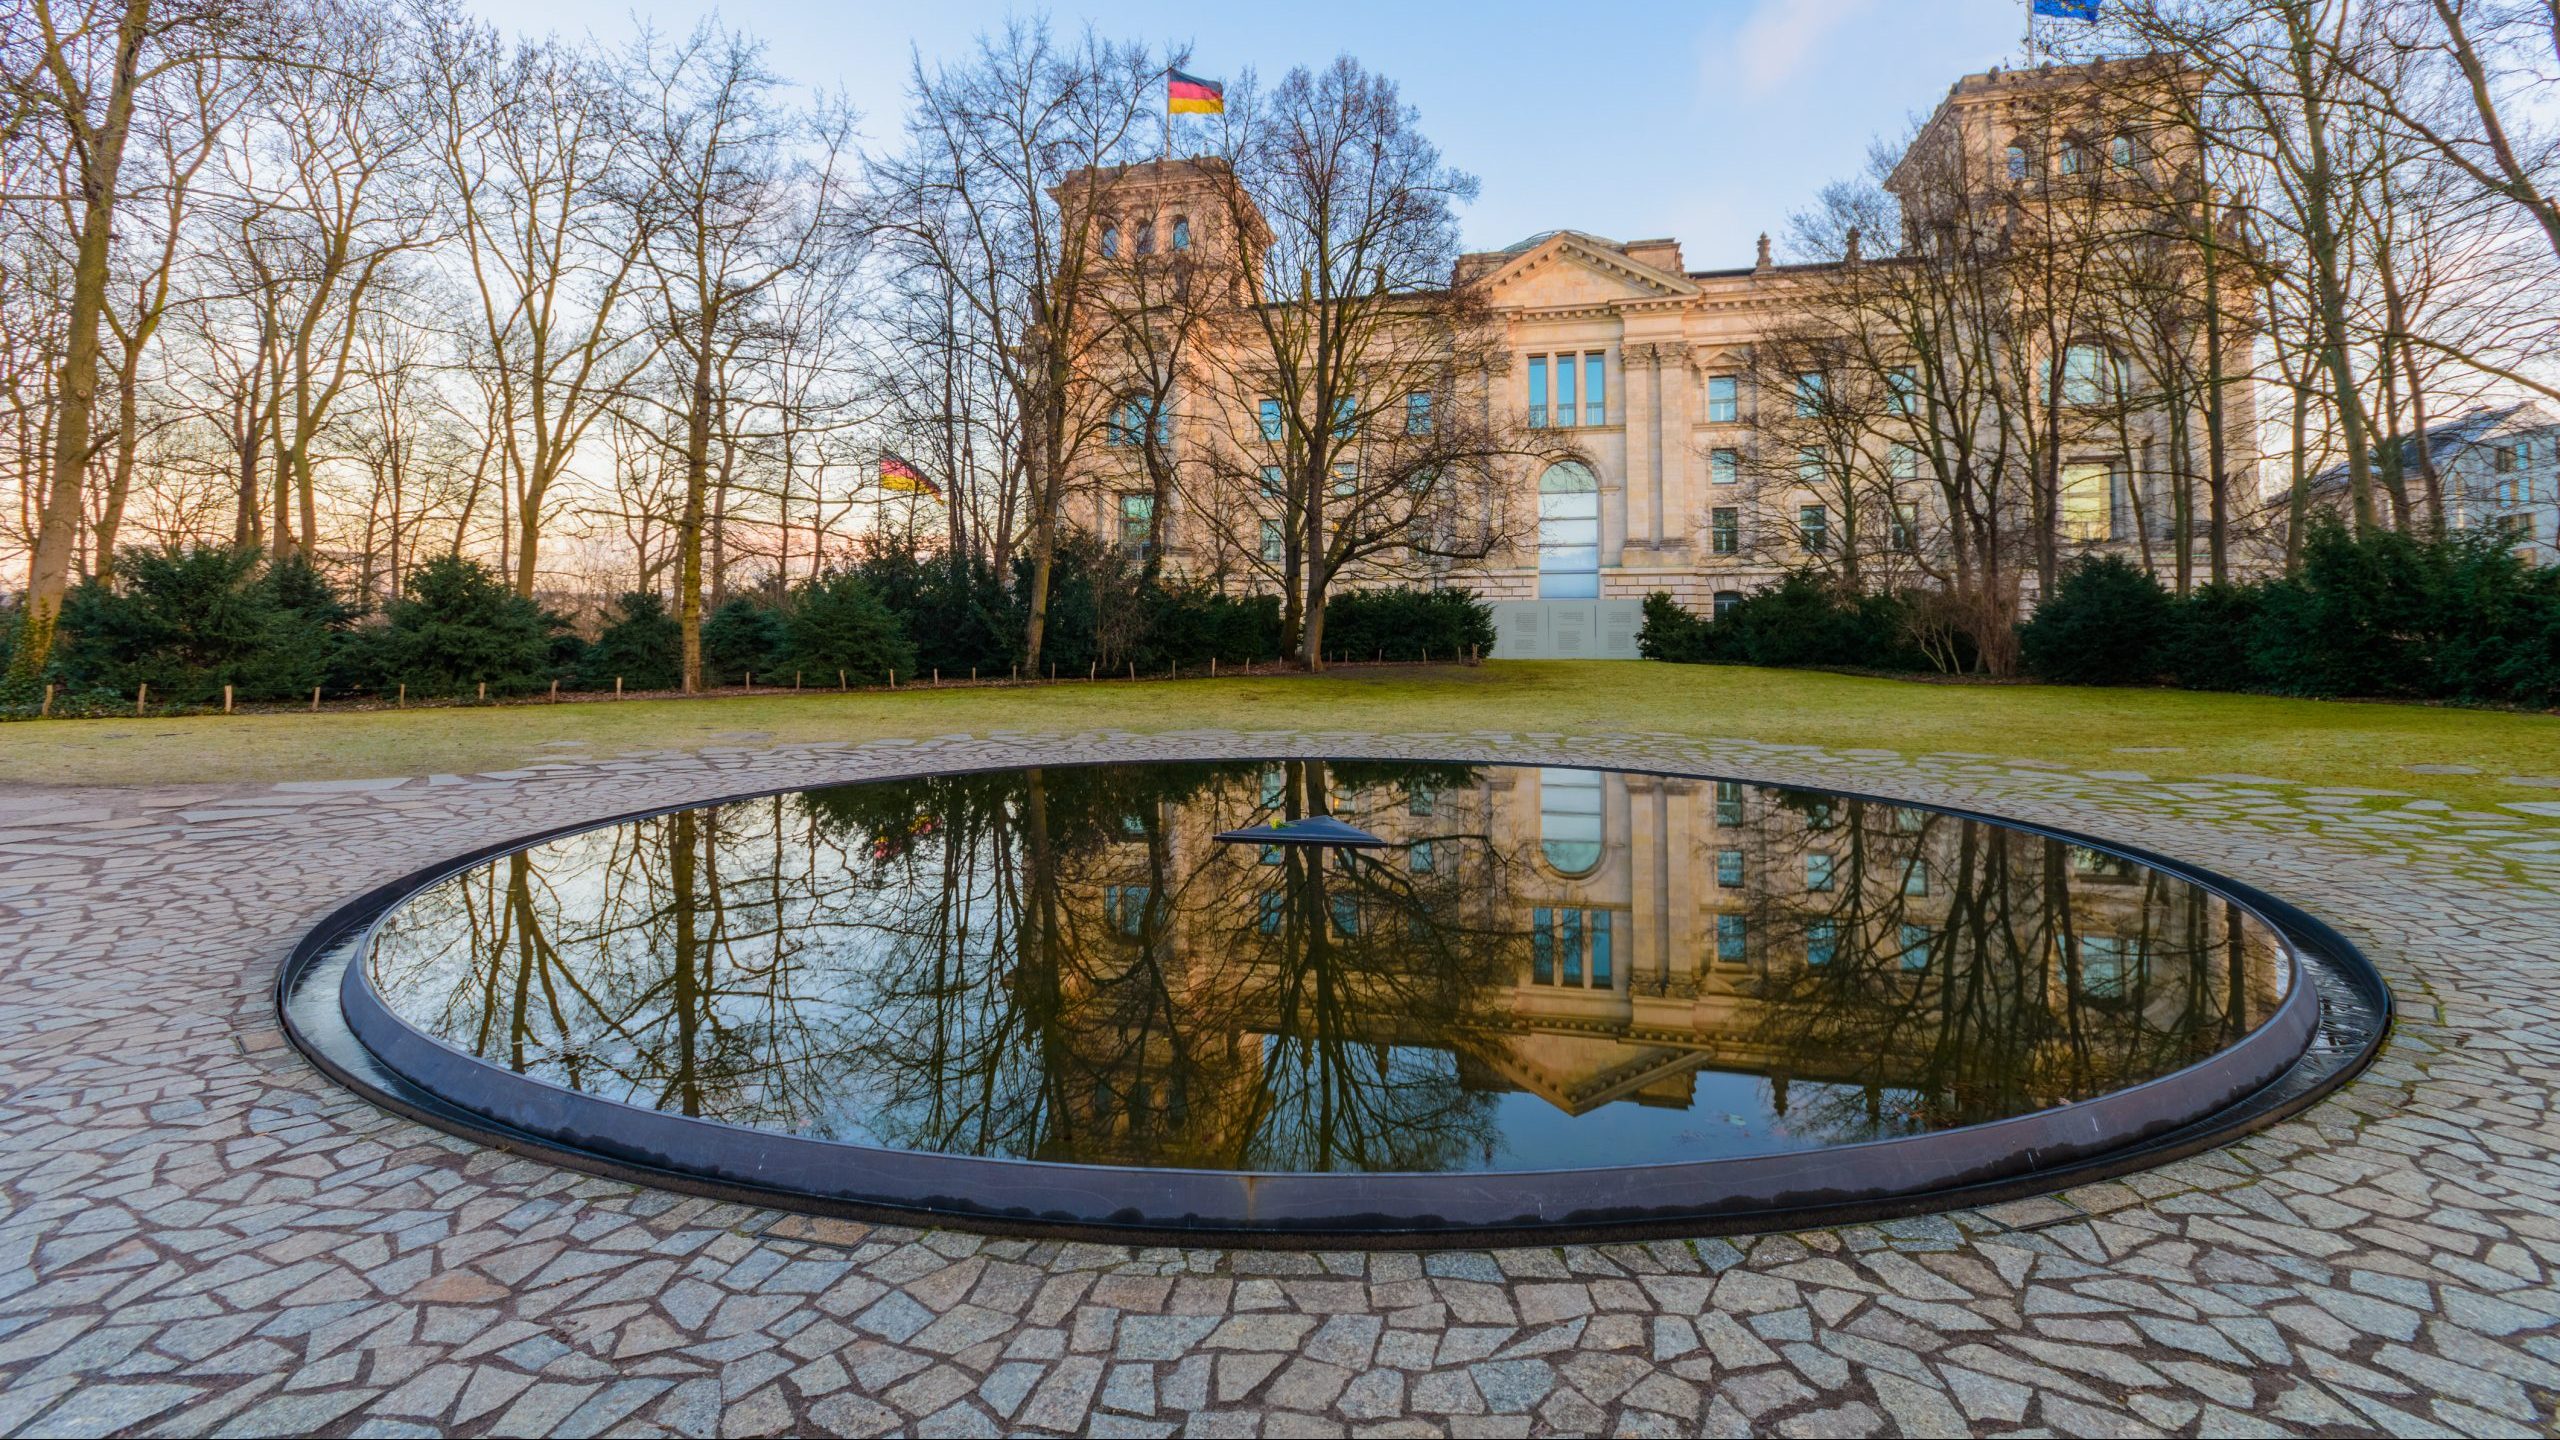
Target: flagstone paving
{"type": "Point", "coordinates": [199, 1234]}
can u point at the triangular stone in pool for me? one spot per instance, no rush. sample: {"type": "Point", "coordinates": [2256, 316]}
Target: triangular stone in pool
{"type": "Point", "coordinates": [1314, 830]}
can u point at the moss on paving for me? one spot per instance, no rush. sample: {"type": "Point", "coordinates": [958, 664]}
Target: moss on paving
{"type": "Point", "coordinates": [2167, 733]}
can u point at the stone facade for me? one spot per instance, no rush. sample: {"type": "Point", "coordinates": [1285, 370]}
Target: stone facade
{"type": "Point", "coordinates": [1642, 371]}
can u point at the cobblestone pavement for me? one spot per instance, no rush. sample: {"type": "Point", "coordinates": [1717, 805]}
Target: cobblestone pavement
{"type": "Point", "coordinates": [200, 1234]}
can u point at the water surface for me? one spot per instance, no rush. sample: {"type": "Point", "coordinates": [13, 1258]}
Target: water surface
{"type": "Point", "coordinates": [1534, 968]}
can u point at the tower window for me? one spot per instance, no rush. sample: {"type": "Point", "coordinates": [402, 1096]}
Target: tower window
{"type": "Point", "coordinates": [1181, 232]}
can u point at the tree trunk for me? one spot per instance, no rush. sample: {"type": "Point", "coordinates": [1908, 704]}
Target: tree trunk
{"type": "Point", "coordinates": [697, 475]}
{"type": "Point", "coordinates": [58, 530]}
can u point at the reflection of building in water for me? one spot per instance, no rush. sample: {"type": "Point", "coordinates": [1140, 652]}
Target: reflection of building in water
{"type": "Point", "coordinates": [1590, 936]}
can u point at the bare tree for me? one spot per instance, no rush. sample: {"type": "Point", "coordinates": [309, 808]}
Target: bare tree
{"type": "Point", "coordinates": [1351, 395]}
{"type": "Point", "coordinates": [974, 200]}
{"type": "Point", "coordinates": [739, 192]}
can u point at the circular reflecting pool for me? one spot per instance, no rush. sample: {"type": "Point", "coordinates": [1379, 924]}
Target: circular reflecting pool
{"type": "Point", "coordinates": [1333, 967]}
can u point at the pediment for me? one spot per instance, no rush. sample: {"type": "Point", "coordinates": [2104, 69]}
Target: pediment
{"type": "Point", "coordinates": [1569, 270]}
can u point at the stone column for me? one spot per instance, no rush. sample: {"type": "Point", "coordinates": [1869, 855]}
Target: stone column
{"type": "Point", "coordinates": [1679, 386]}
{"type": "Point", "coordinates": [1638, 378]}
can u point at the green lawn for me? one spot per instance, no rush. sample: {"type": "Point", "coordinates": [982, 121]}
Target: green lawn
{"type": "Point", "coordinates": [2310, 742]}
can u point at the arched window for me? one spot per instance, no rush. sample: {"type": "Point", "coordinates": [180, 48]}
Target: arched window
{"type": "Point", "coordinates": [1181, 232]}
{"type": "Point", "coordinates": [2121, 151]}
{"type": "Point", "coordinates": [2068, 162]}
{"type": "Point", "coordinates": [1568, 533]}
{"type": "Point", "coordinates": [1147, 238]}
{"type": "Point", "coordinates": [2017, 162]}
{"type": "Point", "coordinates": [1570, 810]}
{"type": "Point", "coordinates": [1111, 240]}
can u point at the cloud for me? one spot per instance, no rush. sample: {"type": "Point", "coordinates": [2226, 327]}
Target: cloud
{"type": "Point", "coordinates": [1772, 45]}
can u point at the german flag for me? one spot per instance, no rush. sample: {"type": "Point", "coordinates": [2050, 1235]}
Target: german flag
{"type": "Point", "coordinates": [897, 474]}
{"type": "Point", "coordinates": [1191, 95]}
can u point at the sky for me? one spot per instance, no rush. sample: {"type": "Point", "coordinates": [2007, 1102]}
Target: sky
{"type": "Point", "coordinates": [1707, 120]}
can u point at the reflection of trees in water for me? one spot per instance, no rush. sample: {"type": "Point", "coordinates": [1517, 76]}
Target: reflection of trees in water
{"type": "Point", "coordinates": [2027, 973]}
{"type": "Point", "coordinates": [925, 963]}
{"type": "Point", "coordinates": [658, 962]}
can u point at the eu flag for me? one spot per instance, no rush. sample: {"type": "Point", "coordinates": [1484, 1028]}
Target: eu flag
{"type": "Point", "coordinates": [2068, 9]}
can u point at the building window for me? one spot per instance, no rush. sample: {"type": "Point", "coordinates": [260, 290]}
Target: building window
{"type": "Point", "coordinates": [2089, 375]}
{"type": "Point", "coordinates": [1902, 462]}
{"type": "Point", "coordinates": [1537, 392]}
{"type": "Point", "coordinates": [1181, 232]}
{"type": "Point", "coordinates": [1418, 857]}
{"type": "Point", "coordinates": [2017, 162]}
{"type": "Point", "coordinates": [1571, 948]}
{"type": "Point", "coordinates": [1147, 238]}
{"type": "Point", "coordinates": [1905, 528]}
{"type": "Point", "coordinates": [1421, 800]}
{"type": "Point", "coordinates": [1724, 467]}
{"type": "Point", "coordinates": [1902, 390]}
{"type": "Point", "coordinates": [1125, 907]}
{"type": "Point", "coordinates": [1568, 533]}
{"type": "Point", "coordinates": [1417, 413]}
{"type": "Point", "coordinates": [1915, 878]}
{"type": "Point", "coordinates": [2121, 151]}
{"type": "Point", "coordinates": [1733, 940]}
{"type": "Point", "coordinates": [1275, 784]}
{"type": "Point", "coordinates": [1274, 543]}
{"type": "Point", "coordinates": [1727, 601]}
{"type": "Point", "coordinates": [1724, 399]}
{"type": "Point", "coordinates": [2088, 509]}
{"type": "Point", "coordinates": [1915, 947]}
{"type": "Point", "coordinates": [1729, 869]}
{"type": "Point", "coordinates": [1809, 466]}
{"type": "Point", "coordinates": [1569, 819]}
{"type": "Point", "coordinates": [1810, 388]}
{"type": "Point", "coordinates": [1111, 241]}
{"type": "Point", "coordinates": [1346, 479]}
{"type": "Point", "coordinates": [1270, 419]}
{"type": "Point", "coordinates": [1275, 484]}
{"type": "Point", "coordinates": [1595, 388]}
{"type": "Point", "coordinates": [1821, 942]}
{"type": "Point", "coordinates": [1346, 416]}
{"type": "Point", "coordinates": [2069, 160]}
{"type": "Point", "coordinates": [1134, 418]}
{"type": "Point", "coordinates": [1724, 530]}
{"type": "Point", "coordinates": [1728, 802]}
{"type": "Point", "coordinates": [1564, 390]}
{"type": "Point", "coordinates": [2107, 963]}
{"type": "Point", "coordinates": [1137, 519]}
{"type": "Point", "coordinates": [1813, 528]}
{"type": "Point", "coordinates": [1817, 872]}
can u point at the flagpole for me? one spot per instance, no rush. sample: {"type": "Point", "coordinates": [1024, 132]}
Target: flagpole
{"type": "Point", "coordinates": [1167, 153]}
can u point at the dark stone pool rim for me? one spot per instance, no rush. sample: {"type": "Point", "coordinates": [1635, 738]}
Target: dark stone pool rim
{"type": "Point", "coordinates": [2334, 1016]}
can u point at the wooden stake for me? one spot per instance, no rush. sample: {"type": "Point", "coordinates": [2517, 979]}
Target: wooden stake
{"type": "Point", "coordinates": [226, 699]}
{"type": "Point", "coordinates": [617, 687]}
{"type": "Point", "coordinates": [1092, 668]}
{"type": "Point", "coordinates": [937, 677]}
{"type": "Point", "coordinates": [141, 696]}
{"type": "Point", "coordinates": [1213, 667]}
{"type": "Point", "coordinates": [403, 701]}
{"type": "Point", "coordinates": [484, 689]}
{"type": "Point", "coordinates": [751, 682]}
{"type": "Point", "coordinates": [973, 674]}
{"type": "Point", "coordinates": [555, 692]}
{"type": "Point", "coordinates": [315, 698]}
{"type": "Point", "coordinates": [47, 711]}
{"type": "Point", "coordinates": [795, 679]}
{"type": "Point", "coordinates": [893, 679]}
{"type": "Point", "coordinates": [841, 682]}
